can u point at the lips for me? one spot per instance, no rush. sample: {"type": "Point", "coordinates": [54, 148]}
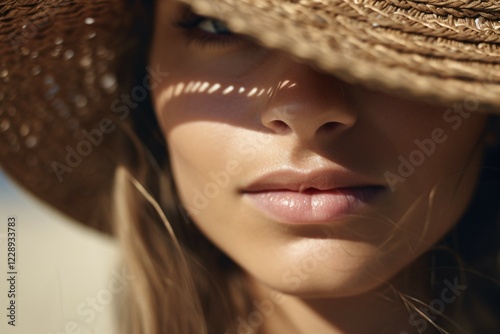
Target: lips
{"type": "Point", "coordinates": [321, 196]}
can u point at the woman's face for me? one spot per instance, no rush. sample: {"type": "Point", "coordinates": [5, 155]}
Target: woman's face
{"type": "Point", "coordinates": [312, 185]}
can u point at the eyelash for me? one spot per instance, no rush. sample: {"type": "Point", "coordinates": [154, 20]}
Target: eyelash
{"type": "Point", "coordinates": [189, 23]}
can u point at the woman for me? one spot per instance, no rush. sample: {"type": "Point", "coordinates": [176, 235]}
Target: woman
{"type": "Point", "coordinates": [265, 185]}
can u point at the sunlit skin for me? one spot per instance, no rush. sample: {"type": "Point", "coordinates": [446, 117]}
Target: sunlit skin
{"type": "Point", "coordinates": [232, 112]}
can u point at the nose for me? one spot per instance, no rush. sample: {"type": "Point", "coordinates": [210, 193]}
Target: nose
{"type": "Point", "coordinates": [307, 103]}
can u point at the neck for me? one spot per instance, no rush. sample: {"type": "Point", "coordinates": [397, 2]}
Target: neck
{"type": "Point", "coordinates": [378, 311]}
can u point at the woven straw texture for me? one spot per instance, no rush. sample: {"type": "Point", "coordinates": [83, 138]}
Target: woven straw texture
{"type": "Point", "coordinates": [438, 50]}
{"type": "Point", "coordinates": [58, 77]}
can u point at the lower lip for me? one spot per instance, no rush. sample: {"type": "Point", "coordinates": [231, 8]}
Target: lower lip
{"type": "Point", "coordinates": [312, 207]}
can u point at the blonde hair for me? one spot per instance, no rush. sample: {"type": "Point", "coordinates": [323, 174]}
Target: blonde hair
{"type": "Point", "coordinates": [183, 284]}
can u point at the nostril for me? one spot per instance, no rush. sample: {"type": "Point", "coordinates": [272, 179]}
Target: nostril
{"type": "Point", "coordinates": [278, 126]}
{"type": "Point", "coordinates": [329, 126]}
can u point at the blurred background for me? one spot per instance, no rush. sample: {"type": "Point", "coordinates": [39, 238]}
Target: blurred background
{"type": "Point", "coordinates": [69, 278]}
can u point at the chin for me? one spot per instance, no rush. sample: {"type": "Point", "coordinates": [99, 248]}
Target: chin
{"type": "Point", "coordinates": [325, 283]}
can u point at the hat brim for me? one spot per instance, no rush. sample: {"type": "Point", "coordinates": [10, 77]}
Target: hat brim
{"type": "Point", "coordinates": [442, 59]}
{"type": "Point", "coordinates": [60, 74]}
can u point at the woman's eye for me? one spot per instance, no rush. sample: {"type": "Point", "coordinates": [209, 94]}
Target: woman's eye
{"type": "Point", "coordinates": [214, 26]}
{"type": "Point", "coordinates": [206, 31]}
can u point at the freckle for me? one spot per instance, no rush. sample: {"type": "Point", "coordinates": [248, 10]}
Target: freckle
{"type": "Point", "coordinates": [203, 87]}
{"type": "Point", "coordinates": [228, 90]}
{"type": "Point", "coordinates": [284, 83]}
{"type": "Point", "coordinates": [241, 90]}
{"type": "Point", "coordinates": [261, 92]}
{"type": "Point", "coordinates": [252, 92]}
{"type": "Point", "coordinates": [214, 88]}
{"type": "Point", "coordinates": [196, 86]}
{"type": "Point", "coordinates": [189, 87]}
{"type": "Point", "coordinates": [179, 88]}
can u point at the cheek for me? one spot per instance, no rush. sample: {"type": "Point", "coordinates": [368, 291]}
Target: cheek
{"type": "Point", "coordinates": [416, 146]}
{"type": "Point", "coordinates": [195, 145]}
{"type": "Point", "coordinates": [434, 158]}
{"type": "Point", "coordinates": [431, 168]}
{"type": "Point", "coordinates": [204, 135]}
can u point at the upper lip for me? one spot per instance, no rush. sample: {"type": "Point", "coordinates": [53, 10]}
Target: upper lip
{"type": "Point", "coordinates": [302, 180]}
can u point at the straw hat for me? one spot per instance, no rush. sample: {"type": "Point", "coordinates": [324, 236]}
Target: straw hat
{"type": "Point", "coordinates": [66, 64]}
